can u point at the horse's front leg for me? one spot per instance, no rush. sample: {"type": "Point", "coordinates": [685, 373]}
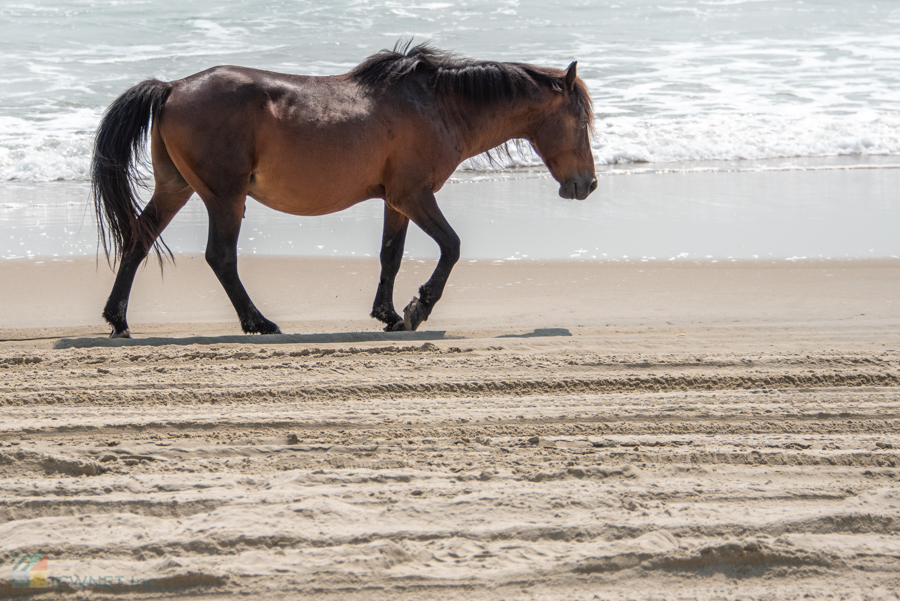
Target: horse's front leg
{"type": "Point", "coordinates": [423, 210]}
{"type": "Point", "coordinates": [392, 241]}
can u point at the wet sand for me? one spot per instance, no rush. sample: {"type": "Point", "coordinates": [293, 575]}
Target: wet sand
{"type": "Point", "coordinates": [847, 300]}
{"type": "Point", "coordinates": [572, 430]}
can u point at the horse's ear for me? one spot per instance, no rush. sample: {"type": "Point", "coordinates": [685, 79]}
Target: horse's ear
{"type": "Point", "coordinates": [570, 76]}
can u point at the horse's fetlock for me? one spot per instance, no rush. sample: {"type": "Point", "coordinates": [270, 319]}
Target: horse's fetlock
{"type": "Point", "coordinates": [427, 300]}
{"type": "Point", "coordinates": [114, 314]}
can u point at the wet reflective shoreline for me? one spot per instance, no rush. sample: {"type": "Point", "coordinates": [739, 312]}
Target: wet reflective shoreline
{"type": "Point", "coordinates": [824, 213]}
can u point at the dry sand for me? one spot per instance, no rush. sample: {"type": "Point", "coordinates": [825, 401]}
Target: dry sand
{"type": "Point", "coordinates": [571, 431]}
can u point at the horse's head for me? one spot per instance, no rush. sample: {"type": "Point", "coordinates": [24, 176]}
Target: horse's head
{"type": "Point", "coordinates": [562, 137]}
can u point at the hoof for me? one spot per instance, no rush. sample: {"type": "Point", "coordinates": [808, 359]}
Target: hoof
{"type": "Point", "coordinates": [262, 327]}
{"type": "Point", "coordinates": [414, 314]}
{"type": "Point", "coordinates": [126, 333]}
{"type": "Point", "coordinates": [397, 326]}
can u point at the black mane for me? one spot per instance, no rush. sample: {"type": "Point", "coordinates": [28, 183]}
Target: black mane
{"type": "Point", "coordinates": [480, 81]}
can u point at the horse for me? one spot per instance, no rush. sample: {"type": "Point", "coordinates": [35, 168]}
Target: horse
{"type": "Point", "coordinates": [395, 128]}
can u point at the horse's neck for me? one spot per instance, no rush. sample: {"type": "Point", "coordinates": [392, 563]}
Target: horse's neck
{"type": "Point", "coordinates": [485, 127]}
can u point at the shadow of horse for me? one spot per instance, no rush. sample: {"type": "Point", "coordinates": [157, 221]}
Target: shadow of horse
{"type": "Point", "coordinates": [340, 337]}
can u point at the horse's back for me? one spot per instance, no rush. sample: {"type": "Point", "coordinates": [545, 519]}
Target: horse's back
{"type": "Point", "coordinates": [303, 145]}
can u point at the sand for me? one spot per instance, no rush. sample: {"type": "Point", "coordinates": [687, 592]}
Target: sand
{"type": "Point", "coordinates": [558, 430]}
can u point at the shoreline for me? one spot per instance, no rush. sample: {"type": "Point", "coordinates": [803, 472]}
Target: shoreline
{"type": "Point", "coordinates": [720, 215]}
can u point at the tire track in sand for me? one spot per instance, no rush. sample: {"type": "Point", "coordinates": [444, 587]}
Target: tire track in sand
{"type": "Point", "coordinates": [379, 474]}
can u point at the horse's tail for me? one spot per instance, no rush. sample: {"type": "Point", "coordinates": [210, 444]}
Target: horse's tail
{"type": "Point", "coordinates": [118, 155]}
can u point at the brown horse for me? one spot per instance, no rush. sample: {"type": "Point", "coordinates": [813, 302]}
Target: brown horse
{"type": "Point", "coordinates": [395, 128]}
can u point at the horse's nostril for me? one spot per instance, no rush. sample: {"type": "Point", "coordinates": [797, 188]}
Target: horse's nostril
{"type": "Point", "coordinates": [593, 185]}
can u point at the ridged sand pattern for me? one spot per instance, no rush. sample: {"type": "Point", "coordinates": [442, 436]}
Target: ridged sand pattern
{"type": "Point", "coordinates": [452, 471]}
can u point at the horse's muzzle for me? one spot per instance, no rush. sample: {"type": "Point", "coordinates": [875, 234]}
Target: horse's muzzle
{"type": "Point", "coordinates": [578, 188]}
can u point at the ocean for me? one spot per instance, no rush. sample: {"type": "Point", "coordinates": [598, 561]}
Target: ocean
{"type": "Point", "coordinates": [679, 87]}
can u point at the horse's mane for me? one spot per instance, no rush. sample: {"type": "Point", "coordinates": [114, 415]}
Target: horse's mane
{"type": "Point", "coordinates": [480, 81]}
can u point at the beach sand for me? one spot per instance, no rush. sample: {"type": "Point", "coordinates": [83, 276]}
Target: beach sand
{"type": "Point", "coordinates": [559, 430]}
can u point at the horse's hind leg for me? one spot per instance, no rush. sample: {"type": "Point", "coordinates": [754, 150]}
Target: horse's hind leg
{"type": "Point", "coordinates": [168, 198]}
{"type": "Point", "coordinates": [423, 210]}
{"type": "Point", "coordinates": [221, 253]}
{"type": "Point", "coordinates": [392, 242]}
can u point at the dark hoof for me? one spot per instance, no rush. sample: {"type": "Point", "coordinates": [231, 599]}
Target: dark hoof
{"type": "Point", "coordinates": [414, 314]}
{"type": "Point", "coordinates": [262, 327]}
{"type": "Point", "coordinates": [397, 326]}
{"type": "Point", "coordinates": [126, 333]}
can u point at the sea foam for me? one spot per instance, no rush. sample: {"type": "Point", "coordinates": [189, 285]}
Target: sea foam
{"type": "Point", "coordinates": [700, 81]}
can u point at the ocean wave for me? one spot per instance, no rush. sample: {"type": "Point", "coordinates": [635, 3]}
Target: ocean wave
{"type": "Point", "coordinates": [55, 152]}
{"type": "Point", "coordinates": [622, 139]}
{"type": "Point", "coordinates": [47, 146]}
{"type": "Point", "coordinates": [708, 80]}
{"type": "Point", "coordinates": [657, 142]}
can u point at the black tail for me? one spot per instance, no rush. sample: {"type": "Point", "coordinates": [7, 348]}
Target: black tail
{"type": "Point", "coordinates": [118, 153]}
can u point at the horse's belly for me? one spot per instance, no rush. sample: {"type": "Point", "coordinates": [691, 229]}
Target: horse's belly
{"type": "Point", "coordinates": [298, 197]}
{"type": "Point", "coordinates": [306, 171]}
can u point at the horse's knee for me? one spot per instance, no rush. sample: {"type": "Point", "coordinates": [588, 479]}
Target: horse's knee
{"type": "Point", "coordinates": [451, 249]}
